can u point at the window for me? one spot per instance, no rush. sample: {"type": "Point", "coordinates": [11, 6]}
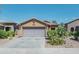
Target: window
{"type": "Point", "coordinates": [77, 28]}
{"type": "Point", "coordinates": [8, 28]}
{"type": "Point", "coordinates": [72, 29]}
{"type": "Point", "coordinates": [52, 28]}
{"type": "Point", "coordinates": [2, 27]}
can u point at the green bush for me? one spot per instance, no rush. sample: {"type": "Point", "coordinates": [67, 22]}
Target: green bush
{"type": "Point", "coordinates": [61, 31]}
{"type": "Point", "coordinates": [57, 41]}
{"type": "Point", "coordinates": [72, 33]}
{"type": "Point", "coordinates": [10, 33]}
{"type": "Point", "coordinates": [57, 36]}
{"type": "Point", "coordinates": [51, 34]}
{"type": "Point", "coordinates": [54, 38]}
{"type": "Point", "coordinates": [6, 34]}
{"type": "Point", "coordinates": [3, 34]}
{"type": "Point", "coordinates": [76, 33]}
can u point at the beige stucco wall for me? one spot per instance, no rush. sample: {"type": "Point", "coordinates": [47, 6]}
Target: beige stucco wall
{"type": "Point", "coordinates": [36, 24]}
{"type": "Point", "coordinates": [73, 24]}
{"type": "Point", "coordinates": [19, 31]}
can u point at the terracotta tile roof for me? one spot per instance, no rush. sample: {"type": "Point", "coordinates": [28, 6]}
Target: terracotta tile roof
{"type": "Point", "coordinates": [44, 22]}
{"type": "Point", "coordinates": [31, 20]}
{"type": "Point", "coordinates": [50, 23]}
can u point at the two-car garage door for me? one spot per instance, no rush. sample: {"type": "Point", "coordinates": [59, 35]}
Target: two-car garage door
{"type": "Point", "coordinates": [34, 32]}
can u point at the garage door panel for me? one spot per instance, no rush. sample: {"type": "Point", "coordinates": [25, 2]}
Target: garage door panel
{"type": "Point", "coordinates": [34, 32]}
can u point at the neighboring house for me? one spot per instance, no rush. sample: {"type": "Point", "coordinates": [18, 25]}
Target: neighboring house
{"type": "Point", "coordinates": [73, 25]}
{"type": "Point", "coordinates": [35, 28]}
{"type": "Point", "coordinates": [7, 26]}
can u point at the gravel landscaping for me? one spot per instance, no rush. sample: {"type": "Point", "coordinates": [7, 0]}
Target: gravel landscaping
{"type": "Point", "coordinates": [69, 43]}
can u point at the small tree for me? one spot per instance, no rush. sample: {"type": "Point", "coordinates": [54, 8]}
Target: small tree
{"type": "Point", "coordinates": [61, 30]}
{"type": "Point", "coordinates": [54, 36]}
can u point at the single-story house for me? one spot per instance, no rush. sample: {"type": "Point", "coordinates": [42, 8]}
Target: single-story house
{"type": "Point", "coordinates": [7, 26]}
{"type": "Point", "coordinates": [73, 25]}
{"type": "Point", "coordinates": [35, 28]}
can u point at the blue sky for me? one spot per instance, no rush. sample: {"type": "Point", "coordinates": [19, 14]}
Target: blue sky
{"type": "Point", "coordinates": [20, 13]}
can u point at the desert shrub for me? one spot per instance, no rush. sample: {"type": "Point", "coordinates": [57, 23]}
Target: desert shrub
{"type": "Point", "coordinates": [67, 34]}
{"type": "Point", "coordinates": [10, 33]}
{"type": "Point", "coordinates": [72, 33]}
{"type": "Point", "coordinates": [61, 41]}
{"type": "Point", "coordinates": [3, 34]}
{"type": "Point", "coordinates": [56, 41]}
{"type": "Point", "coordinates": [76, 33]}
{"type": "Point", "coordinates": [52, 34]}
{"type": "Point", "coordinates": [61, 31]}
{"type": "Point", "coordinates": [54, 38]}
{"type": "Point", "coordinates": [57, 36]}
{"type": "Point", "coordinates": [49, 33]}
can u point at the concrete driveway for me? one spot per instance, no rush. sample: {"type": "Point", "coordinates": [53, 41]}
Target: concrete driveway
{"type": "Point", "coordinates": [25, 42]}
